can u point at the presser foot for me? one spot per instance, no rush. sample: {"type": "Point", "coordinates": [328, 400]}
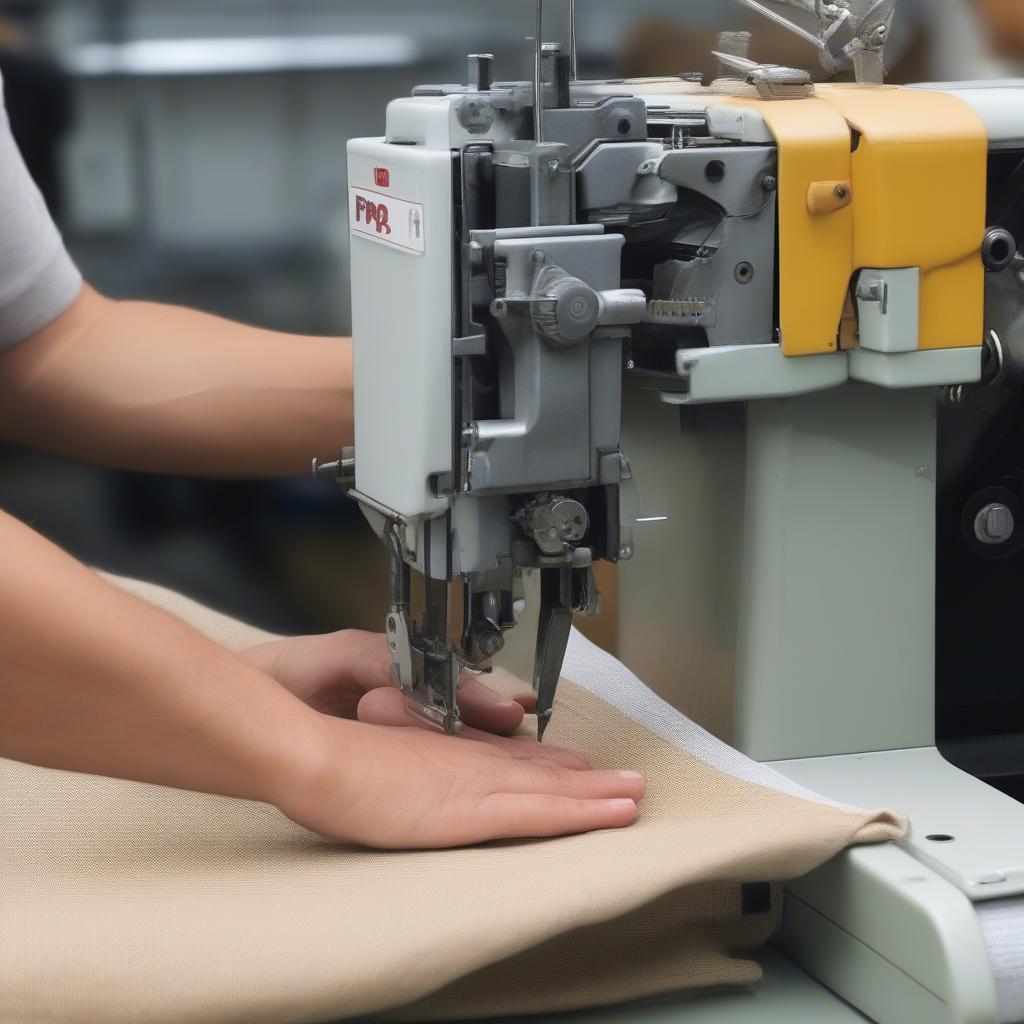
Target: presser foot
{"type": "Point", "coordinates": [432, 694]}
{"type": "Point", "coordinates": [428, 676]}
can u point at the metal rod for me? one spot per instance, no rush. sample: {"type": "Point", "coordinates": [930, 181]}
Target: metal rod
{"type": "Point", "coordinates": [574, 68]}
{"type": "Point", "coordinates": [538, 102]}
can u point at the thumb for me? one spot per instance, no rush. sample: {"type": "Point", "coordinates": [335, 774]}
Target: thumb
{"type": "Point", "coordinates": [385, 705]}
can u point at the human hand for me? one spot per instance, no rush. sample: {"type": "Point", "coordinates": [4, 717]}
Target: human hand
{"type": "Point", "coordinates": [397, 786]}
{"type": "Point", "coordinates": [332, 672]}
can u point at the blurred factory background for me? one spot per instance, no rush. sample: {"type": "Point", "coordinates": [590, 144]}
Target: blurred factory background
{"type": "Point", "coordinates": [194, 152]}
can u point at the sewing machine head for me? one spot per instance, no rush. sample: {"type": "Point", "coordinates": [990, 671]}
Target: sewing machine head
{"type": "Point", "coordinates": [510, 259]}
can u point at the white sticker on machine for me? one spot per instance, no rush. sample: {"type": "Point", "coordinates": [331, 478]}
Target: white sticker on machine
{"type": "Point", "coordinates": [386, 219]}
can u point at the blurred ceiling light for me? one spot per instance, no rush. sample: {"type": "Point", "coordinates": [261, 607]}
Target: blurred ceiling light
{"type": "Point", "coordinates": [242, 55]}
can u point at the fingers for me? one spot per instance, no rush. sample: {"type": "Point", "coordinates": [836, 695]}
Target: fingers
{"type": "Point", "coordinates": [483, 708]}
{"type": "Point", "coordinates": [604, 785]}
{"type": "Point", "coordinates": [515, 815]}
{"type": "Point", "coordinates": [527, 700]}
{"type": "Point", "coordinates": [479, 706]}
{"type": "Point", "coordinates": [384, 706]}
{"type": "Point", "coordinates": [387, 706]}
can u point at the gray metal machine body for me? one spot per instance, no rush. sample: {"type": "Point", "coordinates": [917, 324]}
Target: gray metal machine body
{"type": "Point", "coordinates": [525, 210]}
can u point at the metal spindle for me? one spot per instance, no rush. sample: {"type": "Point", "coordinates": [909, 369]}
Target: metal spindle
{"type": "Point", "coordinates": [538, 101]}
{"type": "Point", "coordinates": [574, 70]}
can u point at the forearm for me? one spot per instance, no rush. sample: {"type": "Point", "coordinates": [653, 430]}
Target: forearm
{"type": "Point", "coordinates": [165, 389]}
{"type": "Point", "coordinates": [94, 680]}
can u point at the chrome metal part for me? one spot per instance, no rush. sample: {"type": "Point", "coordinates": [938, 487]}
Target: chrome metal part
{"type": "Point", "coordinates": [555, 525]}
{"type": "Point", "coordinates": [849, 32]}
{"type": "Point", "coordinates": [342, 471]}
{"type": "Point", "coordinates": [772, 81]}
{"type": "Point", "coordinates": [538, 46]}
{"type": "Point", "coordinates": [574, 68]}
{"type": "Point", "coordinates": [994, 523]}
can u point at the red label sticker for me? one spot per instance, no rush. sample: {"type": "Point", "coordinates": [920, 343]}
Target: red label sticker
{"type": "Point", "coordinates": [381, 177]}
{"type": "Point", "coordinates": [387, 219]}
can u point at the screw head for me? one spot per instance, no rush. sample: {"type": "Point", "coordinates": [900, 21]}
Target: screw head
{"type": "Point", "coordinates": [841, 191]}
{"type": "Point", "coordinates": [625, 553]}
{"type": "Point", "coordinates": [553, 166]}
{"type": "Point", "coordinates": [994, 523]}
{"type": "Point", "coordinates": [744, 272]}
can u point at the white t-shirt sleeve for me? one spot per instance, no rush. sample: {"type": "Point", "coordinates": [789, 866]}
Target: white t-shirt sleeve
{"type": "Point", "coordinates": [38, 279]}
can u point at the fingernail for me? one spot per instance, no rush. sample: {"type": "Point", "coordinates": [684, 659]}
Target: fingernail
{"type": "Point", "coordinates": [622, 805]}
{"type": "Point", "coordinates": [630, 776]}
{"type": "Point", "coordinates": [507, 705]}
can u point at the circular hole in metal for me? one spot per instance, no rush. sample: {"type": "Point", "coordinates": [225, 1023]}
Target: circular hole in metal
{"type": "Point", "coordinates": [998, 248]}
{"type": "Point", "coordinates": [625, 126]}
{"type": "Point", "coordinates": [744, 272]}
{"type": "Point", "coordinates": [939, 837]}
{"type": "Point", "coordinates": [715, 170]}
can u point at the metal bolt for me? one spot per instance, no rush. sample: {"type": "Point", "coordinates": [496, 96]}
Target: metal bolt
{"type": "Point", "coordinates": [841, 191]}
{"type": "Point", "coordinates": [921, 471]}
{"type": "Point", "coordinates": [630, 364]}
{"type": "Point", "coordinates": [994, 523]}
{"type": "Point", "coordinates": [625, 552]}
{"type": "Point", "coordinates": [553, 166]}
{"type": "Point", "coordinates": [769, 183]}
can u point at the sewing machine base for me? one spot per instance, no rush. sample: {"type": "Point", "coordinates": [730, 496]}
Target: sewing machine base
{"type": "Point", "coordinates": [786, 995]}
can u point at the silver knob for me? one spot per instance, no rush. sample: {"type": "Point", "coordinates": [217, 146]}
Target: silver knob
{"type": "Point", "coordinates": [342, 470]}
{"type": "Point", "coordinates": [994, 523]}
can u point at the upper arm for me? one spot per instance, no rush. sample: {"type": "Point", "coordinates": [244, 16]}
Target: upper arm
{"type": "Point", "coordinates": [38, 280]}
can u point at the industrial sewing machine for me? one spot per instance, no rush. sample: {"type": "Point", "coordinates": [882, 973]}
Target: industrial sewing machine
{"type": "Point", "coordinates": [774, 291]}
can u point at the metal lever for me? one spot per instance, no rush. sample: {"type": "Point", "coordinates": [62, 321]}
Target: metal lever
{"type": "Point", "coordinates": [552, 639]}
{"type": "Point", "coordinates": [865, 25]}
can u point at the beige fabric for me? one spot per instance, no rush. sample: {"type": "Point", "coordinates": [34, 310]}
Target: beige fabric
{"type": "Point", "coordinates": [123, 902]}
